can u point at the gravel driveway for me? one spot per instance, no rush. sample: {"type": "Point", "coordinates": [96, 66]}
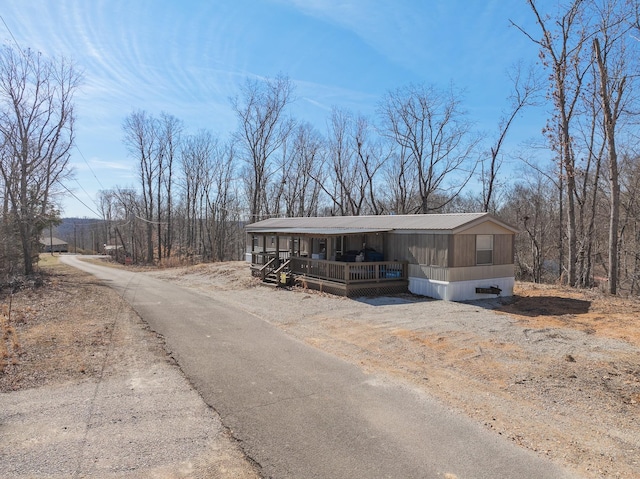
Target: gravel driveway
{"type": "Point", "coordinates": [565, 384]}
{"type": "Point", "coordinates": [558, 375]}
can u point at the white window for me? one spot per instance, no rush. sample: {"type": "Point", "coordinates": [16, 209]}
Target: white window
{"type": "Point", "coordinates": [484, 249]}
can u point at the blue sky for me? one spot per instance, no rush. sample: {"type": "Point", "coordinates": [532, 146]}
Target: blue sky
{"type": "Point", "coordinates": [188, 57]}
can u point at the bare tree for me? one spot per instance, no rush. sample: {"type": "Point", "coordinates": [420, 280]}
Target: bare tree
{"type": "Point", "coordinates": [630, 224]}
{"type": "Point", "coordinates": [142, 142]}
{"type": "Point", "coordinates": [107, 204]}
{"type": "Point", "coordinates": [354, 161]}
{"type": "Point", "coordinates": [612, 59]}
{"type": "Point", "coordinates": [534, 216]}
{"type": "Point", "coordinates": [431, 127]}
{"type": "Point", "coordinates": [401, 187]}
{"type": "Point", "coordinates": [224, 207]}
{"type": "Point", "coordinates": [302, 172]}
{"type": "Point", "coordinates": [130, 231]}
{"type": "Point", "coordinates": [262, 130]}
{"type": "Point", "coordinates": [169, 131]}
{"type": "Point", "coordinates": [343, 177]}
{"type": "Point", "coordinates": [562, 45]}
{"type": "Point", "coordinates": [197, 164]}
{"type": "Point", "coordinates": [588, 133]}
{"type": "Point", "coordinates": [524, 91]}
{"type": "Point", "coordinates": [211, 207]}
{"type": "Point", "coordinates": [154, 143]}
{"type": "Point", "coordinates": [371, 156]}
{"type": "Point", "coordinates": [36, 135]}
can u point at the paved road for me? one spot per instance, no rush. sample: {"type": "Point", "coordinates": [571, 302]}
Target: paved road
{"type": "Point", "coordinates": [301, 413]}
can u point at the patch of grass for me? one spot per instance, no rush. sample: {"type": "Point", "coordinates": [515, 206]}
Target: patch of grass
{"type": "Point", "coordinates": [174, 262]}
{"type": "Point", "coordinates": [64, 328]}
{"type": "Point", "coordinates": [47, 260]}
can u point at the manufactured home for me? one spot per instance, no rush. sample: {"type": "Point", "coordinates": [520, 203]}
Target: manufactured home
{"type": "Point", "coordinates": [53, 245]}
{"type": "Point", "coordinates": [456, 257]}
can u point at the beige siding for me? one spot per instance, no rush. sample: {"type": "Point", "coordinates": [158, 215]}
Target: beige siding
{"type": "Point", "coordinates": [436, 273]}
{"type": "Point", "coordinates": [460, 274]}
{"type": "Point", "coordinates": [464, 251]}
{"type": "Point", "coordinates": [486, 228]}
{"type": "Point", "coordinates": [503, 249]}
{"type": "Point", "coordinates": [428, 249]}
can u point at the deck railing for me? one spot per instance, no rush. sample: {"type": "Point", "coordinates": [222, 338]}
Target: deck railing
{"type": "Point", "coordinates": [263, 257]}
{"type": "Point", "coordinates": [267, 268]}
{"type": "Point", "coordinates": [348, 273]}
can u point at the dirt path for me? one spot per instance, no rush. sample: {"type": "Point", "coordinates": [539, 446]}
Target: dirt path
{"type": "Point", "coordinates": [556, 371]}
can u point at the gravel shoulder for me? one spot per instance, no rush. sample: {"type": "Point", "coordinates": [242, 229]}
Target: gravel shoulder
{"type": "Point", "coordinates": [556, 371]}
{"type": "Point", "coordinates": [86, 390]}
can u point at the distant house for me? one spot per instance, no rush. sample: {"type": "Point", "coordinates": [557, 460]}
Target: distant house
{"type": "Point", "coordinates": [54, 245]}
{"type": "Point", "coordinates": [454, 257]}
{"type": "Point", "coordinates": [111, 249]}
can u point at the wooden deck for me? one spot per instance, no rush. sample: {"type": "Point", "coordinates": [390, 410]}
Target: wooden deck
{"type": "Point", "coordinates": [337, 277]}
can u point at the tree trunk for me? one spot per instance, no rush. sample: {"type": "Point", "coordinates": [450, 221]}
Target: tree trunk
{"type": "Point", "coordinates": [610, 126]}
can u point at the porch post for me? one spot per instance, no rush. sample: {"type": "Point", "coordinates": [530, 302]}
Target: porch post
{"type": "Point", "coordinates": [264, 248]}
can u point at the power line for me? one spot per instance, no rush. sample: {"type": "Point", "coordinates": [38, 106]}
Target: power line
{"type": "Point", "coordinates": [90, 169]}
{"type": "Point", "coordinates": [152, 222]}
{"type": "Point", "coordinates": [11, 33]}
{"type": "Point", "coordinates": [89, 222]}
{"type": "Point", "coordinates": [80, 186]}
{"type": "Point", "coordinates": [73, 194]}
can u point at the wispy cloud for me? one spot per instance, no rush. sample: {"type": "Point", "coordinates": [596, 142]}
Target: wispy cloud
{"type": "Point", "coordinates": [110, 165]}
{"type": "Point", "coordinates": [398, 30]}
{"type": "Point", "coordinates": [188, 58]}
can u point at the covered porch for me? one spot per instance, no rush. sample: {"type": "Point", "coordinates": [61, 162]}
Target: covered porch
{"type": "Point", "coordinates": [343, 261]}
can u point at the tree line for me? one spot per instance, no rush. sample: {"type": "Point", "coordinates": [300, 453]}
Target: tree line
{"type": "Point", "coordinates": [571, 191]}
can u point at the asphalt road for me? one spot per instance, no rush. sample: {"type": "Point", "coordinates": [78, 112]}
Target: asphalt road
{"type": "Point", "coordinates": [301, 413]}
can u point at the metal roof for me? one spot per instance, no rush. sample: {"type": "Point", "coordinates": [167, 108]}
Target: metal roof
{"type": "Point", "coordinates": [329, 225]}
{"type": "Point", "coordinates": [48, 241]}
{"type": "Point", "coordinates": [318, 231]}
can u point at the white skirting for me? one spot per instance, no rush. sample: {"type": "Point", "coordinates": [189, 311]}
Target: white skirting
{"type": "Point", "coordinates": [459, 290]}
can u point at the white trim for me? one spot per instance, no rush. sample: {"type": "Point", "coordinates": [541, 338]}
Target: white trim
{"type": "Point", "coordinates": [460, 290]}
